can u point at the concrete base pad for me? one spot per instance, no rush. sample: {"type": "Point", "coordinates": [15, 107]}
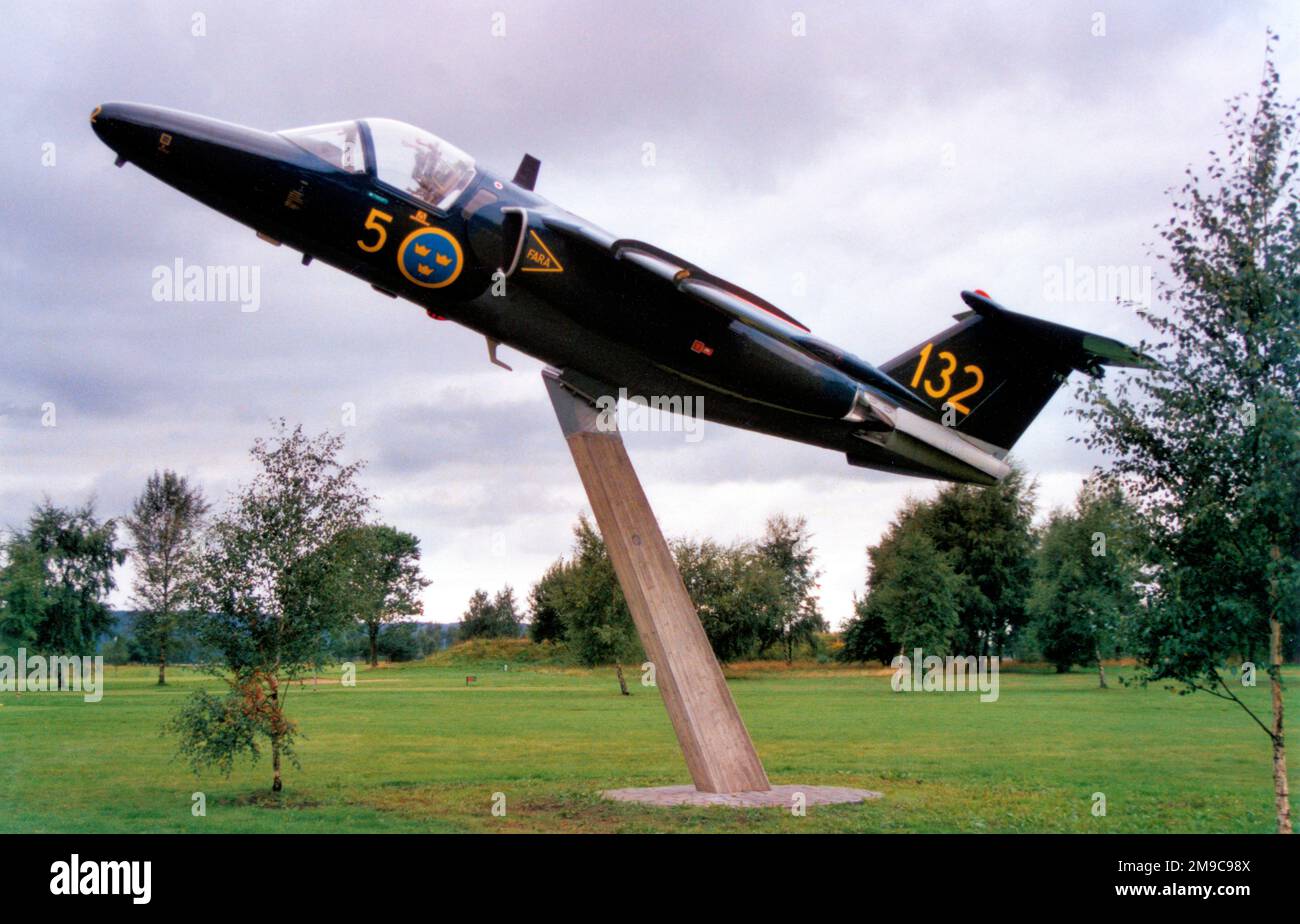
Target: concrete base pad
{"type": "Point", "coordinates": [776, 797]}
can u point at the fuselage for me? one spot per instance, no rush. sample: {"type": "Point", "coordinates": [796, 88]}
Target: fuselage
{"type": "Point", "coordinates": [418, 220]}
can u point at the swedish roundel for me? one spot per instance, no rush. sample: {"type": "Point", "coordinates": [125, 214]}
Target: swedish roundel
{"type": "Point", "coordinates": [430, 257]}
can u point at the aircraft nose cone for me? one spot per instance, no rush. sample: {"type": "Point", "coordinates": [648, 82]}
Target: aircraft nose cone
{"type": "Point", "coordinates": [113, 122]}
{"type": "Point", "coordinates": [103, 119]}
{"type": "Point", "coordinates": [168, 140]}
{"type": "Point", "coordinates": [238, 169]}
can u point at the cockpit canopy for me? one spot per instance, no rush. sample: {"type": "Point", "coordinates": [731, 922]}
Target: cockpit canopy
{"type": "Point", "coordinates": [338, 143]}
{"type": "Point", "coordinates": [419, 163]}
{"type": "Point", "coordinates": [411, 160]}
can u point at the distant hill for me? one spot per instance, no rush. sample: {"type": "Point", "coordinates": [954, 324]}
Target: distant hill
{"type": "Point", "coordinates": [399, 641]}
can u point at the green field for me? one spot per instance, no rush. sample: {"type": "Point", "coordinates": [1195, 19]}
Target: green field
{"type": "Point", "coordinates": [411, 748]}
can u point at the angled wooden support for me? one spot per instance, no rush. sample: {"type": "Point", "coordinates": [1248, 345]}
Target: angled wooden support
{"type": "Point", "coordinates": [719, 754]}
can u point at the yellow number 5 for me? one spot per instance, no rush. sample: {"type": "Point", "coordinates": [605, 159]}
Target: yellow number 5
{"type": "Point", "coordinates": [372, 223]}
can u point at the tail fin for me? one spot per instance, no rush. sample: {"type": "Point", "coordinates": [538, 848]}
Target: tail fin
{"type": "Point", "coordinates": [996, 369]}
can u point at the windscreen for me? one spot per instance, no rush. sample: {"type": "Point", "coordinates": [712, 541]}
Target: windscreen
{"type": "Point", "coordinates": [338, 143]}
{"type": "Point", "coordinates": [419, 163]}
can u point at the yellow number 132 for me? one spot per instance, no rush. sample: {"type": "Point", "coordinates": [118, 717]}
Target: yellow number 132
{"type": "Point", "coordinates": [944, 384]}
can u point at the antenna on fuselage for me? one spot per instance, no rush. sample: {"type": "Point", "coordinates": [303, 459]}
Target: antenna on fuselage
{"type": "Point", "coordinates": [526, 175]}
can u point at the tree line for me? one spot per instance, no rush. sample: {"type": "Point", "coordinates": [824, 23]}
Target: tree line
{"type": "Point", "coordinates": [289, 569]}
{"type": "Point", "coordinates": [751, 596]}
{"type": "Point", "coordinates": [967, 573]}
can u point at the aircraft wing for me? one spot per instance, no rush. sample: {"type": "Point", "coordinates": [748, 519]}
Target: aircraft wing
{"type": "Point", "coordinates": [729, 300]}
{"type": "Point", "coordinates": [722, 296]}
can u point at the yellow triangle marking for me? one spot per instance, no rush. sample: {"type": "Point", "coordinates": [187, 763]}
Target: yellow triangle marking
{"type": "Point", "coordinates": [539, 259]}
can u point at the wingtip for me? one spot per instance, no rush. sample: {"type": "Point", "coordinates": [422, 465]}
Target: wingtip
{"type": "Point", "coordinates": [1110, 352]}
{"type": "Point", "coordinates": [1104, 351]}
{"type": "Point", "coordinates": [981, 302]}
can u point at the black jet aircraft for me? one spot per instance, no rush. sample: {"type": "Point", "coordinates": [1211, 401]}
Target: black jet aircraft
{"type": "Point", "coordinates": [419, 219]}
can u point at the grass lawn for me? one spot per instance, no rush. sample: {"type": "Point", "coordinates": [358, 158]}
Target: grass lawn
{"type": "Point", "coordinates": [412, 748]}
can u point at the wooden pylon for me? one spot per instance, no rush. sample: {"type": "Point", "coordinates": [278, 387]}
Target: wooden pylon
{"type": "Point", "coordinates": [719, 753]}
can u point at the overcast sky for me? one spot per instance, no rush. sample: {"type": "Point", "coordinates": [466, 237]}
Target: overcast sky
{"type": "Point", "coordinates": [889, 157]}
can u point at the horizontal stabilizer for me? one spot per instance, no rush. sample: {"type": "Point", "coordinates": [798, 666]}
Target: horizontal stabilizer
{"type": "Point", "coordinates": [1083, 350]}
{"type": "Point", "coordinates": [989, 375]}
